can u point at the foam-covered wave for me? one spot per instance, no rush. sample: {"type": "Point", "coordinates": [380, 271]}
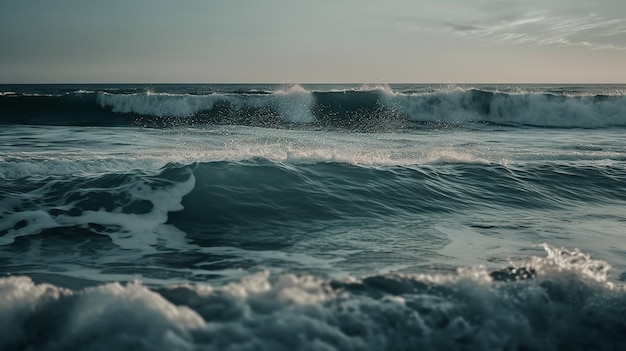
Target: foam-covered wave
{"type": "Point", "coordinates": [561, 302]}
{"type": "Point", "coordinates": [361, 108]}
{"type": "Point", "coordinates": [291, 105]}
{"type": "Point", "coordinates": [546, 110]}
{"type": "Point", "coordinates": [159, 105]}
{"type": "Point", "coordinates": [131, 208]}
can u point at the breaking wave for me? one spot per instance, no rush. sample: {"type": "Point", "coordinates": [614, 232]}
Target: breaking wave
{"type": "Point", "coordinates": [559, 302]}
{"type": "Point", "coordinates": [363, 108]}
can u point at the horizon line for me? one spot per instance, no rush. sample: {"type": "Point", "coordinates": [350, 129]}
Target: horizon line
{"type": "Point", "coordinates": [310, 83]}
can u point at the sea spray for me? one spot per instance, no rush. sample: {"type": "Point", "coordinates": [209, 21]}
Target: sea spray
{"type": "Point", "coordinates": [358, 107]}
{"type": "Point", "coordinates": [281, 217]}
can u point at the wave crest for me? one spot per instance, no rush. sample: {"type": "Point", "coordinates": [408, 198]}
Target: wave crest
{"type": "Point", "coordinates": [362, 108]}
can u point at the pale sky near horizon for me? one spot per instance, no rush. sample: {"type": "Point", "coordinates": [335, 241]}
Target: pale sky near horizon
{"type": "Point", "coordinates": [324, 41]}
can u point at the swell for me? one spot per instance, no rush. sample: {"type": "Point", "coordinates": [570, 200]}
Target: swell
{"type": "Point", "coordinates": [374, 109]}
{"type": "Point", "coordinates": [201, 199]}
{"type": "Point", "coordinates": [262, 194]}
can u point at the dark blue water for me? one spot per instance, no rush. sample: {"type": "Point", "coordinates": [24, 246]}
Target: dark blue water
{"type": "Point", "coordinates": [234, 217]}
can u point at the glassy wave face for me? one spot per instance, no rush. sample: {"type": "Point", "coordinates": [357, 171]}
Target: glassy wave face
{"type": "Point", "coordinates": [322, 217]}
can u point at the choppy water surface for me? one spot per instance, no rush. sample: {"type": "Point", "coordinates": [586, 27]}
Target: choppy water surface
{"type": "Point", "coordinates": [319, 217]}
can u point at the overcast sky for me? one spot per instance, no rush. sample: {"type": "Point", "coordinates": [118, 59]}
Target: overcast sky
{"type": "Point", "coordinates": [210, 41]}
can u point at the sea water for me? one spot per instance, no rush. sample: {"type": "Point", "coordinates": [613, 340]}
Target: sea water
{"type": "Point", "coordinates": [312, 217]}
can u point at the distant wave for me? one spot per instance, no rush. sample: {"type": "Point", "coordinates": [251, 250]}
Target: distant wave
{"type": "Point", "coordinates": [365, 108]}
{"type": "Point", "coordinates": [546, 110]}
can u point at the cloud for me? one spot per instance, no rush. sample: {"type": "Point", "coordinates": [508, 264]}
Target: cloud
{"type": "Point", "coordinates": [519, 26]}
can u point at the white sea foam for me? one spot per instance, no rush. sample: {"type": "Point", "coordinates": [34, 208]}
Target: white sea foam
{"type": "Point", "coordinates": [113, 315]}
{"type": "Point", "coordinates": [561, 259]}
{"type": "Point", "coordinates": [558, 300]}
{"type": "Point", "coordinates": [446, 155]}
{"type": "Point", "coordinates": [133, 230]}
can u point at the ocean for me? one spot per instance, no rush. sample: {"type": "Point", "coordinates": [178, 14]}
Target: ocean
{"type": "Point", "coordinates": [312, 217]}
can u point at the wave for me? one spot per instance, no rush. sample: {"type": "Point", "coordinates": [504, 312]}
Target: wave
{"type": "Point", "coordinates": [559, 302]}
{"type": "Point", "coordinates": [363, 108]}
{"type": "Point", "coordinates": [544, 110]}
{"type": "Point", "coordinates": [147, 210]}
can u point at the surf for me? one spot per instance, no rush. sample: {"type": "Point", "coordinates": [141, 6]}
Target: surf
{"type": "Point", "coordinates": [562, 301]}
{"type": "Point", "coordinates": [361, 108]}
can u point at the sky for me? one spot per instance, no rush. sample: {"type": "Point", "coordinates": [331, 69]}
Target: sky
{"type": "Point", "coordinates": [315, 41]}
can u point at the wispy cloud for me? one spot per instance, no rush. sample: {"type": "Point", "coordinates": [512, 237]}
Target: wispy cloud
{"type": "Point", "coordinates": [539, 28]}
